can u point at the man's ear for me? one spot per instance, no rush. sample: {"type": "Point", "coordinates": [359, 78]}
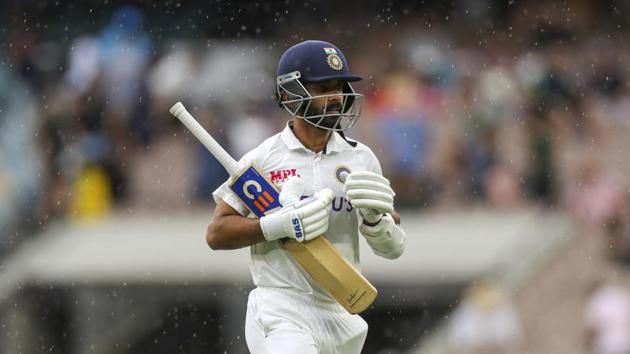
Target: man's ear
{"type": "Point", "coordinates": [280, 97]}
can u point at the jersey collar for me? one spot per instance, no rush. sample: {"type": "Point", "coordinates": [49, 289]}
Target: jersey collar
{"type": "Point", "coordinates": [335, 144]}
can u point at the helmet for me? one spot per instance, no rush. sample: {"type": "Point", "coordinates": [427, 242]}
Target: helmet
{"type": "Point", "coordinates": [316, 61]}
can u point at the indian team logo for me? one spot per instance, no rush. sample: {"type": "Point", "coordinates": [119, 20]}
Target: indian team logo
{"type": "Point", "coordinates": [341, 172]}
{"type": "Point", "coordinates": [334, 61]}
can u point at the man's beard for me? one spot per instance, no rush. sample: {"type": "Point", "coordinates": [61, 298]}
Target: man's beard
{"type": "Point", "coordinates": [328, 121]}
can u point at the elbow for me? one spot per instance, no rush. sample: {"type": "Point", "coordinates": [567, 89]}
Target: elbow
{"type": "Point", "coordinates": [213, 237]}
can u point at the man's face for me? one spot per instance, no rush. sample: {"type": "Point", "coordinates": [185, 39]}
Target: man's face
{"type": "Point", "coordinates": [332, 104]}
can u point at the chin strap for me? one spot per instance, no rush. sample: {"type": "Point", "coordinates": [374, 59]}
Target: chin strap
{"type": "Point", "coordinates": [385, 237]}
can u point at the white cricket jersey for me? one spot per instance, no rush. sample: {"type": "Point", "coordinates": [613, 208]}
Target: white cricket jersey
{"type": "Point", "coordinates": [282, 156]}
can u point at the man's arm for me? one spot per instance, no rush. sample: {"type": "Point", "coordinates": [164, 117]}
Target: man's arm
{"type": "Point", "coordinates": [230, 230]}
{"type": "Point", "coordinates": [396, 217]}
{"type": "Point", "coordinates": [302, 221]}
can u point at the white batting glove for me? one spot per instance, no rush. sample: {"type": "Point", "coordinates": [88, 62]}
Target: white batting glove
{"type": "Point", "coordinates": [291, 191]}
{"type": "Point", "coordinates": [302, 221]}
{"type": "Point", "coordinates": [370, 193]}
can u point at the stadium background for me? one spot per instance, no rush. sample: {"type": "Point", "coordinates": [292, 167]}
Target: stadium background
{"type": "Point", "coordinates": [502, 125]}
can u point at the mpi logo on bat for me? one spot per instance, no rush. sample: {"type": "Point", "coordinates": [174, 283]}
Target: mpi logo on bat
{"type": "Point", "coordinates": [297, 228]}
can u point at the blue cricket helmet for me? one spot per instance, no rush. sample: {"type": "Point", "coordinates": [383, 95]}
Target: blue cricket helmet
{"type": "Point", "coordinates": [316, 61]}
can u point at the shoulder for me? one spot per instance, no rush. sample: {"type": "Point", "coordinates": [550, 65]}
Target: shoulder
{"type": "Point", "coordinates": [359, 148]}
{"type": "Point", "coordinates": [365, 150]}
{"type": "Point", "coordinates": [365, 153]}
{"type": "Point", "coordinates": [261, 152]}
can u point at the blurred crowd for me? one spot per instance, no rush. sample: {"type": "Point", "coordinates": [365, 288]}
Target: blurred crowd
{"type": "Point", "coordinates": [529, 112]}
{"type": "Point", "coordinates": [466, 112]}
{"type": "Point", "coordinates": [525, 116]}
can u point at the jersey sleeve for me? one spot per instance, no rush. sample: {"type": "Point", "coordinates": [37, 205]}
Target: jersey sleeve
{"type": "Point", "coordinates": [223, 192]}
{"type": "Point", "coordinates": [371, 162]}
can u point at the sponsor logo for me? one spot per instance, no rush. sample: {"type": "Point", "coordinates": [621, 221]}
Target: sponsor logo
{"type": "Point", "coordinates": [340, 204]}
{"type": "Point", "coordinates": [297, 228]}
{"type": "Point", "coordinates": [258, 194]}
{"type": "Point", "coordinates": [282, 175]}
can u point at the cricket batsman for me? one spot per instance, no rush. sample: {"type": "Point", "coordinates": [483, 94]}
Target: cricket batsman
{"type": "Point", "coordinates": [343, 195]}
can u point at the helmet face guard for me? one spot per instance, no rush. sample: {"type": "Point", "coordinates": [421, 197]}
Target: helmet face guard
{"type": "Point", "coordinates": [299, 101]}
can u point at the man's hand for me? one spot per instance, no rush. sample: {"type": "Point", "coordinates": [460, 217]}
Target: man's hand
{"type": "Point", "coordinates": [292, 191]}
{"type": "Point", "coordinates": [370, 193]}
{"type": "Point", "coordinates": [303, 220]}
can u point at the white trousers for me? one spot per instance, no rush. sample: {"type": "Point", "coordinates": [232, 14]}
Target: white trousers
{"type": "Point", "coordinates": [282, 321]}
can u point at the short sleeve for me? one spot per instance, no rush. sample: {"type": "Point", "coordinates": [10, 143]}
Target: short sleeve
{"type": "Point", "coordinates": [223, 192]}
{"type": "Point", "coordinates": [371, 161]}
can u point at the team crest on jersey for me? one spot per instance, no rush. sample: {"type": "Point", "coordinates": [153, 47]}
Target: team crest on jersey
{"type": "Point", "coordinates": [334, 61]}
{"type": "Point", "coordinates": [341, 172]}
{"type": "Point", "coordinates": [282, 175]}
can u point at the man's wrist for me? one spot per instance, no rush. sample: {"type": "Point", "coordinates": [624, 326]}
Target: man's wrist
{"type": "Point", "coordinates": [372, 224]}
{"type": "Point", "coordinates": [272, 226]}
{"type": "Point", "coordinates": [370, 219]}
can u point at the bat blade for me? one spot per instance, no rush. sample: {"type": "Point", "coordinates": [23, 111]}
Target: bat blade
{"type": "Point", "coordinates": [323, 262]}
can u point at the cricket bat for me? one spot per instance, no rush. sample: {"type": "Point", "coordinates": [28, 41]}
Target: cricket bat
{"type": "Point", "coordinates": [317, 257]}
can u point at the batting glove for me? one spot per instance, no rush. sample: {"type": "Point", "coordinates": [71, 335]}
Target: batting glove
{"type": "Point", "coordinates": [370, 193]}
{"type": "Point", "coordinates": [292, 191]}
{"type": "Point", "coordinates": [302, 221]}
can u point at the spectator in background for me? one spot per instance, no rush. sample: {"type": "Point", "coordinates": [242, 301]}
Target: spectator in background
{"type": "Point", "coordinates": [607, 319]}
{"type": "Point", "coordinates": [597, 198]}
{"type": "Point", "coordinates": [21, 164]}
{"type": "Point", "coordinates": [449, 160]}
{"type": "Point", "coordinates": [502, 187]}
{"type": "Point", "coordinates": [402, 116]}
{"type": "Point", "coordinates": [481, 154]}
{"type": "Point", "coordinates": [83, 65]}
{"type": "Point", "coordinates": [485, 322]}
{"type": "Point", "coordinates": [542, 172]}
{"type": "Point", "coordinates": [491, 103]}
{"type": "Point", "coordinates": [124, 52]}
{"type": "Point", "coordinates": [94, 118]}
